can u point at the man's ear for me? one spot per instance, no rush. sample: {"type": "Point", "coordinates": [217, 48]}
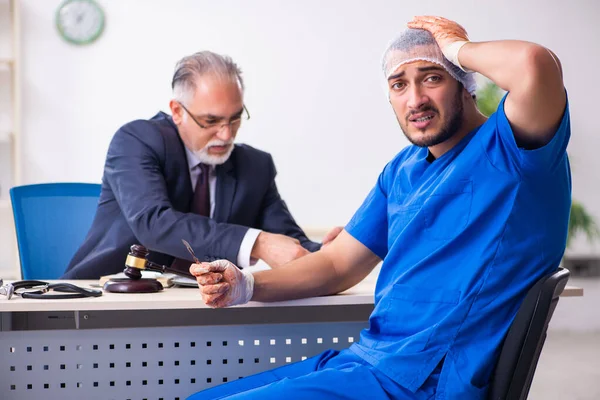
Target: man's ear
{"type": "Point", "coordinates": [176, 111]}
{"type": "Point", "coordinates": [468, 96]}
{"type": "Point", "coordinates": [465, 93]}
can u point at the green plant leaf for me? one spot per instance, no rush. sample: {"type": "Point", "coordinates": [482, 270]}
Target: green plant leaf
{"type": "Point", "coordinates": [580, 221]}
{"type": "Point", "coordinates": [488, 98]}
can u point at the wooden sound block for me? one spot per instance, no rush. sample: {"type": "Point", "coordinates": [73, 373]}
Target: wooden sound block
{"type": "Point", "coordinates": [126, 285]}
{"type": "Point", "coordinates": [164, 279]}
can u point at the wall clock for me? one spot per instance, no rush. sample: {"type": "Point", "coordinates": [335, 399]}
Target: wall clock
{"type": "Point", "coordinates": [80, 21]}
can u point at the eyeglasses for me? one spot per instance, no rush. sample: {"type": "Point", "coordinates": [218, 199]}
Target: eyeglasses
{"type": "Point", "coordinates": [218, 126]}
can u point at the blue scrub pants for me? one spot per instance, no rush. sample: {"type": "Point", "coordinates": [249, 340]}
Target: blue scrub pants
{"type": "Point", "coordinates": [330, 375]}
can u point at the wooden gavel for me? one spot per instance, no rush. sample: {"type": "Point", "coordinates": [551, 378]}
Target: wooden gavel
{"type": "Point", "coordinates": [137, 261]}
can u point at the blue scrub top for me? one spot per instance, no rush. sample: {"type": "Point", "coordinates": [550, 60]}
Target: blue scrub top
{"type": "Point", "coordinates": [462, 238]}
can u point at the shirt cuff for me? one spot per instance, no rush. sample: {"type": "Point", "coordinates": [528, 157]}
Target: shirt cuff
{"type": "Point", "coordinates": [243, 259]}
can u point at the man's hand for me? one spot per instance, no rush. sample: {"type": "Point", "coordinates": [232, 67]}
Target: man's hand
{"type": "Point", "coordinates": [449, 35]}
{"type": "Point", "coordinates": [277, 250]}
{"type": "Point", "coordinates": [222, 284]}
{"type": "Point", "coordinates": [331, 235]}
{"type": "Point", "coordinates": [529, 72]}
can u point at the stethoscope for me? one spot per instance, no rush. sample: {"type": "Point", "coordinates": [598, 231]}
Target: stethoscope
{"type": "Point", "coordinates": [32, 289]}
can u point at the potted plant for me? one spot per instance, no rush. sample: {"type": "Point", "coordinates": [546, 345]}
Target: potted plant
{"type": "Point", "coordinates": [580, 220]}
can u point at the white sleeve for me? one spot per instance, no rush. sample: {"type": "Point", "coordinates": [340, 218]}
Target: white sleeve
{"type": "Point", "coordinates": [243, 259]}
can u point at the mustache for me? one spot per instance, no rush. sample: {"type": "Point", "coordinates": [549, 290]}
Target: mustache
{"type": "Point", "coordinates": [420, 110]}
{"type": "Point", "coordinates": [219, 143]}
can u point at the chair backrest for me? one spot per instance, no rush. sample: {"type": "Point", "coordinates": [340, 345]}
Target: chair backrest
{"type": "Point", "coordinates": [51, 222]}
{"type": "Point", "coordinates": [524, 341]}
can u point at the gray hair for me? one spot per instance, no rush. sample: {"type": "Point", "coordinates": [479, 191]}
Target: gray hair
{"type": "Point", "coordinates": [190, 68]}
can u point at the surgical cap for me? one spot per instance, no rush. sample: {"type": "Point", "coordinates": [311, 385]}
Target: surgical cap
{"type": "Point", "coordinates": [420, 45]}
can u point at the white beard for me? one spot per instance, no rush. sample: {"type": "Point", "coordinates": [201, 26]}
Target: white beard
{"type": "Point", "coordinates": [209, 159]}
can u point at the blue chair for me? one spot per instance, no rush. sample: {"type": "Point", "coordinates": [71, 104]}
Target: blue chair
{"type": "Point", "coordinates": [51, 222]}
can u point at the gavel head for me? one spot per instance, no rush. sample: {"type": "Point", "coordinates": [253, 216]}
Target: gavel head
{"type": "Point", "coordinates": [136, 262]}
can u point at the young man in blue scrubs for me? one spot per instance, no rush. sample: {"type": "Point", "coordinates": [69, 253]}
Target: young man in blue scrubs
{"type": "Point", "coordinates": [465, 221]}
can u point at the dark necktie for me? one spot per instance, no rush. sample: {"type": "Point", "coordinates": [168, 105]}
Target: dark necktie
{"type": "Point", "coordinates": [200, 205]}
{"type": "Point", "coordinates": [201, 198]}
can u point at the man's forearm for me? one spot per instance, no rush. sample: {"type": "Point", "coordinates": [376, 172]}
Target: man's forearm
{"type": "Point", "coordinates": [340, 265]}
{"type": "Point", "coordinates": [510, 64]}
{"type": "Point", "coordinates": [309, 276]}
{"type": "Point", "coordinates": [532, 75]}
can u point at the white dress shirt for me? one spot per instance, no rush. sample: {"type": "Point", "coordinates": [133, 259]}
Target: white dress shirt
{"type": "Point", "coordinates": [243, 258]}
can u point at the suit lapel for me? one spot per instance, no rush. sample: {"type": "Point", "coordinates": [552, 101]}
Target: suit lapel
{"type": "Point", "coordinates": [181, 191]}
{"type": "Point", "coordinates": [226, 183]}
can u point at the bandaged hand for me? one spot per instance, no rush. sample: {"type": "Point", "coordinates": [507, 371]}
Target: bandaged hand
{"type": "Point", "coordinates": [449, 35]}
{"type": "Point", "coordinates": [222, 284]}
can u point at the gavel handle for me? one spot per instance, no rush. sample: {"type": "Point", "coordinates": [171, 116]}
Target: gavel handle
{"type": "Point", "coordinates": [150, 266]}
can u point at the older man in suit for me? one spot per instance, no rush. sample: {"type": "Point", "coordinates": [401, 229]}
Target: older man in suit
{"type": "Point", "coordinates": [182, 177]}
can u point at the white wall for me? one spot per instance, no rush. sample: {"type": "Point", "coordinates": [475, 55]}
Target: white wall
{"type": "Point", "coordinates": [312, 76]}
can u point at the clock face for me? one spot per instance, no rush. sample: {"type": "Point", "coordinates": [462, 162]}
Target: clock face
{"type": "Point", "coordinates": [80, 21]}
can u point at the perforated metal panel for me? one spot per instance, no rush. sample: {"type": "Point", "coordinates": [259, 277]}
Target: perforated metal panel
{"type": "Point", "coordinates": [154, 363]}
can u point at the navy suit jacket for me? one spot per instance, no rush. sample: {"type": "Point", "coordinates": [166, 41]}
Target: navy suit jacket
{"type": "Point", "coordinates": [146, 199]}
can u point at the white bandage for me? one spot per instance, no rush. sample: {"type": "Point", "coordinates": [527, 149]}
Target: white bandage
{"type": "Point", "coordinates": [246, 288]}
{"type": "Point", "coordinates": [451, 53]}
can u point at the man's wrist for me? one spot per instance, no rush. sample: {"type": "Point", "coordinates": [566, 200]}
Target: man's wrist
{"type": "Point", "coordinates": [249, 282]}
{"type": "Point", "coordinates": [247, 246]}
{"type": "Point", "coordinates": [451, 53]}
{"type": "Point", "coordinates": [258, 245]}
